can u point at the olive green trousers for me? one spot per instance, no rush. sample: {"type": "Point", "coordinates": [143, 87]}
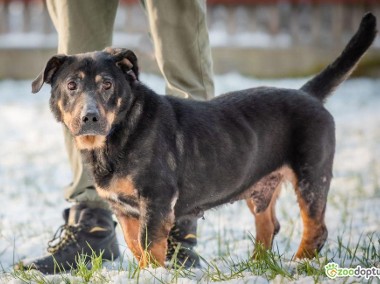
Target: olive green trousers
{"type": "Point", "coordinates": [179, 33]}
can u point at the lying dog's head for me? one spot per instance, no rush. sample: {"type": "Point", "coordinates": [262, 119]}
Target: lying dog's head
{"type": "Point", "coordinates": [88, 90]}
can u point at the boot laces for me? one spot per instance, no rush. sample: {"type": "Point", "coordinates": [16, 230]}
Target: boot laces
{"type": "Point", "coordinates": [175, 245]}
{"type": "Point", "coordinates": [64, 236]}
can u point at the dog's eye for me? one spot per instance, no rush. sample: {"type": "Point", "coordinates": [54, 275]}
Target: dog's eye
{"type": "Point", "coordinates": [107, 85]}
{"type": "Point", "coordinates": [72, 86]}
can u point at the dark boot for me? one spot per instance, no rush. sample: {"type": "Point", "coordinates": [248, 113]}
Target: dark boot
{"type": "Point", "coordinates": [85, 230]}
{"type": "Point", "coordinates": [182, 239]}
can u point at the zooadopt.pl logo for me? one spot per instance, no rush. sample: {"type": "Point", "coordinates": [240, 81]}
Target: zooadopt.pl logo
{"type": "Point", "coordinates": [333, 271]}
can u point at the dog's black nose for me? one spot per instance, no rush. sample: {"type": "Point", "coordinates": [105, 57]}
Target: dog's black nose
{"type": "Point", "coordinates": [91, 116]}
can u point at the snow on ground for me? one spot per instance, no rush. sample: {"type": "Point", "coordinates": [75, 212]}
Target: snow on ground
{"type": "Point", "coordinates": [34, 169]}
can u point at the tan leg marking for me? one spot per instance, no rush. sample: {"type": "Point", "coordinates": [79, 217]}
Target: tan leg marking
{"type": "Point", "coordinates": [131, 231]}
{"type": "Point", "coordinates": [156, 252]}
{"type": "Point", "coordinates": [264, 226]}
{"type": "Point", "coordinates": [266, 222]}
{"type": "Point", "coordinates": [314, 232]}
{"type": "Point", "coordinates": [132, 227]}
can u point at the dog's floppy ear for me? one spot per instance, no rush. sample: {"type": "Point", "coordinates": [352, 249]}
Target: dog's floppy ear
{"type": "Point", "coordinates": [47, 73]}
{"type": "Point", "coordinates": [126, 60]}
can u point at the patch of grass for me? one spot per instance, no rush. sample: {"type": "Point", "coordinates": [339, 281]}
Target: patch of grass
{"type": "Point", "coordinates": [88, 267]}
{"type": "Point", "coordinates": [314, 268]}
{"type": "Point", "coordinates": [270, 262]}
{"type": "Point", "coordinates": [369, 251]}
{"type": "Point", "coordinates": [30, 276]}
{"type": "Point", "coordinates": [347, 251]}
{"type": "Point", "coordinates": [214, 271]}
{"type": "Point", "coordinates": [133, 269]}
{"type": "Point", "coordinates": [267, 264]}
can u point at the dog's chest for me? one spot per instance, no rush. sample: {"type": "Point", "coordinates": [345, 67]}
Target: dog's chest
{"type": "Point", "coordinates": [122, 195]}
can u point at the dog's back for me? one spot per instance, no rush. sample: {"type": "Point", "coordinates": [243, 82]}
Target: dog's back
{"type": "Point", "coordinates": [279, 118]}
{"type": "Point", "coordinates": [274, 128]}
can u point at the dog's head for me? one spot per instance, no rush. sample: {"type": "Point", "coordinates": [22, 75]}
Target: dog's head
{"type": "Point", "coordinates": [89, 90]}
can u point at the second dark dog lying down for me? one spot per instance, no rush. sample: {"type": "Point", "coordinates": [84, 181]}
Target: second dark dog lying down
{"type": "Point", "coordinates": [159, 158]}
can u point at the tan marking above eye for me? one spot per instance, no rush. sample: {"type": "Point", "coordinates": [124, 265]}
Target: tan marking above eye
{"type": "Point", "coordinates": [103, 78]}
{"type": "Point", "coordinates": [81, 75]}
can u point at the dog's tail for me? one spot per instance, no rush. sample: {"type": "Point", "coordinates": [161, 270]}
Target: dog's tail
{"type": "Point", "coordinates": [325, 82]}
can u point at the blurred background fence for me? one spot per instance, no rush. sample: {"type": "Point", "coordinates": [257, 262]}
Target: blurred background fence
{"type": "Point", "coordinates": [261, 38]}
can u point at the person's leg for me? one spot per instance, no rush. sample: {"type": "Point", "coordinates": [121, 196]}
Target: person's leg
{"type": "Point", "coordinates": [182, 49]}
{"type": "Point", "coordinates": [81, 189]}
{"type": "Point", "coordinates": [180, 37]}
{"type": "Point", "coordinates": [82, 26]}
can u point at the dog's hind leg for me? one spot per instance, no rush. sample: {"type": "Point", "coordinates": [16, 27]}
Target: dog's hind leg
{"type": "Point", "coordinates": [262, 204]}
{"type": "Point", "coordinates": [312, 161]}
{"type": "Point", "coordinates": [264, 192]}
{"type": "Point", "coordinates": [266, 223]}
{"type": "Point", "coordinates": [312, 193]}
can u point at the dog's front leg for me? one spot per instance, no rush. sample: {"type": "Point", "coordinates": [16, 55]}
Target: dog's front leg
{"type": "Point", "coordinates": [131, 231]}
{"type": "Point", "coordinates": [157, 223]}
{"type": "Point", "coordinates": [147, 236]}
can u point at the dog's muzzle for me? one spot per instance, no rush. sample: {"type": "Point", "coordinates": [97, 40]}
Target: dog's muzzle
{"type": "Point", "coordinates": [91, 123]}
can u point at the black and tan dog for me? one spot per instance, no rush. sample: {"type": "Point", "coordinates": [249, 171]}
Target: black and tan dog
{"type": "Point", "coordinates": [159, 158]}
